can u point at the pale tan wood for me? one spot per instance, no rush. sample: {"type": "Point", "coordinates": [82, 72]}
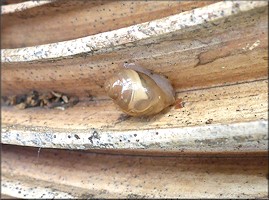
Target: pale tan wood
{"type": "Point", "coordinates": [220, 49]}
{"type": "Point", "coordinates": [88, 175]}
{"type": "Point", "coordinates": [216, 57]}
{"type": "Point", "coordinates": [235, 103]}
{"type": "Point", "coordinates": [191, 59]}
{"type": "Point", "coordinates": [4, 196]}
{"type": "Point", "coordinates": [226, 56]}
{"type": "Point", "coordinates": [100, 124]}
{"type": "Point", "coordinates": [65, 20]}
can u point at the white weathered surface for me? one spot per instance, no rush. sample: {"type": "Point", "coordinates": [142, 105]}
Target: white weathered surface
{"type": "Point", "coordinates": [241, 137]}
{"type": "Point", "coordinates": [116, 39]}
{"type": "Point", "coordinates": [7, 9]}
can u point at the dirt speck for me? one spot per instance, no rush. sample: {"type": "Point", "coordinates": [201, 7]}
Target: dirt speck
{"type": "Point", "coordinates": [209, 121]}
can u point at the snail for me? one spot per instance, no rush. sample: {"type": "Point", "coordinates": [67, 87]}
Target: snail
{"type": "Point", "coordinates": [139, 91]}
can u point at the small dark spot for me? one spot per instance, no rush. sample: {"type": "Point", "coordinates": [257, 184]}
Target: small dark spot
{"type": "Point", "coordinates": [237, 5]}
{"type": "Point", "coordinates": [120, 140]}
{"type": "Point", "coordinates": [69, 136]}
{"type": "Point", "coordinates": [137, 140]}
{"type": "Point", "coordinates": [77, 137]}
{"type": "Point", "coordinates": [209, 121]}
{"type": "Point", "coordinates": [122, 117]}
{"type": "Point", "coordinates": [54, 136]}
{"type": "Point", "coordinates": [157, 133]}
{"type": "Point", "coordinates": [128, 140]}
{"type": "Point", "coordinates": [135, 134]}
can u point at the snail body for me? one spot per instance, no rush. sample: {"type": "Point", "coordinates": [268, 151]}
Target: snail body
{"type": "Point", "coordinates": [139, 91]}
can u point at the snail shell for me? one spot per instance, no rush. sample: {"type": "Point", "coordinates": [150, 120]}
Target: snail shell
{"type": "Point", "coordinates": [140, 92]}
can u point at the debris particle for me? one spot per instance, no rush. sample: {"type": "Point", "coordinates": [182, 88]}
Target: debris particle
{"type": "Point", "coordinates": [179, 103]}
{"type": "Point", "coordinates": [60, 108]}
{"type": "Point", "coordinates": [21, 106]}
{"type": "Point", "coordinates": [56, 94]}
{"type": "Point", "coordinates": [51, 99]}
{"type": "Point", "coordinates": [209, 121]}
{"type": "Point", "coordinates": [76, 136]}
{"type": "Point", "coordinates": [65, 98]}
{"type": "Point", "coordinates": [122, 118]}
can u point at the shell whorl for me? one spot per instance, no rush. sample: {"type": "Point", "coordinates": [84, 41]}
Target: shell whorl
{"type": "Point", "coordinates": [136, 93]}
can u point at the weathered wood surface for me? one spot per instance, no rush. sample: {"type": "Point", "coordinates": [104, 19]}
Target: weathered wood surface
{"type": "Point", "coordinates": [216, 56]}
{"type": "Point", "coordinates": [19, 5]}
{"type": "Point", "coordinates": [66, 20]}
{"type": "Point", "coordinates": [219, 45]}
{"type": "Point", "coordinates": [220, 51]}
{"type": "Point", "coordinates": [205, 54]}
{"type": "Point", "coordinates": [99, 124]}
{"type": "Point", "coordinates": [74, 174]}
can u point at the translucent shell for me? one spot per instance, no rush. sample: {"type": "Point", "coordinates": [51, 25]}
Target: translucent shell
{"type": "Point", "coordinates": [139, 91]}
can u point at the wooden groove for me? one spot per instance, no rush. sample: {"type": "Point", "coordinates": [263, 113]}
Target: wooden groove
{"type": "Point", "coordinates": [79, 19]}
{"type": "Point", "coordinates": [98, 124]}
{"type": "Point", "coordinates": [83, 175]}
{"type": "Point", "coordinates": [214, 53]}
{"type": "Point", "coordinates": [190, 59]}
{"type": "Point", "coordinates": [222, 104]}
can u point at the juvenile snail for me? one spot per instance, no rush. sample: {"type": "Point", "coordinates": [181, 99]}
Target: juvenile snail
{"type": "Point", "coordinates": [140, 92]}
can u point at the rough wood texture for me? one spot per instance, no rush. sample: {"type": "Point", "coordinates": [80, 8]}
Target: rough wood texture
{"type": "Point", "coordinates": [73, 174]}
{"type": "Point", "coordinates": [217, 46]}
{"type": "Point", "coordinates": [216, 56]}
{"type": "Point", "coordinates": [16, 6]}
{"type": "Point", "coordinates": [97, 124]}
{"type": "Point", "coordinates": [206, 54]}
{"type": "Point", "coordinates": [79, 18]}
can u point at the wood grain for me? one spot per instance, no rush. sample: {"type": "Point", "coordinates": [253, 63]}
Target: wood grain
{"type": "Point", "coordinates": [74, 174]}
{"type": "Point", "coordinates": [80, 18]}
{"type": "Point", "coordinates": [232, 50]}
{"type": "Point", "coordinates": [222, 104]}
{"type": "Point", "coordinates": [214, 145]}
{"type": "Point", "coordinates": [100, 124]}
